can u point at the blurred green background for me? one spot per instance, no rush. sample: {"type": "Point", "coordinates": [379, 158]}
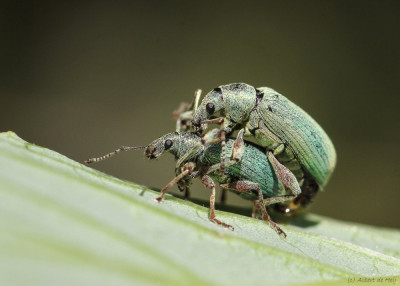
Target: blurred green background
{"type": "Point", "coordinates": [84, 78]}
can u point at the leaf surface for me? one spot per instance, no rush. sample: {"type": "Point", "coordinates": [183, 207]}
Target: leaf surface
{"type": "Point", "coordinates": [63, 223]}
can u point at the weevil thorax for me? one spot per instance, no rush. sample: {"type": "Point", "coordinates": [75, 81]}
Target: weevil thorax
{"type": "Point", "coordinates": [176, 143]}
{"type": "Point", "coordinates": [233, 101]}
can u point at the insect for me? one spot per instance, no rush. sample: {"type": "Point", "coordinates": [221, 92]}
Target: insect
{"type": "Point", "coordinates": [253, 178]}
{"type": "Point", "coordinates": [294, 138]}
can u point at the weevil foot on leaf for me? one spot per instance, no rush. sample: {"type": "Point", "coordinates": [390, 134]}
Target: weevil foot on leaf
{"type": "Point", "coordinates": [278, 229]}
{"type": "Point", "coordinates": [220, 223]}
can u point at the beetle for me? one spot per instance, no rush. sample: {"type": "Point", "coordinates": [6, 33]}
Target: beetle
{"type": "Point", "coordinates": [295, 139]}
{"type": "Point", "coordinates": [253, 177]}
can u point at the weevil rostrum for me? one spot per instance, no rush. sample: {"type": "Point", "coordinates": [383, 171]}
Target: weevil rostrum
{"type": "Point", "coordinates": [253, 177]}
{"type": "Point", "coordinates": [295, 139]}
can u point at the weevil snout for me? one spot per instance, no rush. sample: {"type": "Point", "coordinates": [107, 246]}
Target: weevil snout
{"type": "Point", "coordinates": [199, 126]}
{"type": "Point", "coordinates": [161, 145]}
{"type": "Point", "coordinates": [150, 152]}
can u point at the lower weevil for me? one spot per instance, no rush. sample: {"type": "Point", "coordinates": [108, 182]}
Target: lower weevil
{"type": "Point", "coordinates": [253, 178]}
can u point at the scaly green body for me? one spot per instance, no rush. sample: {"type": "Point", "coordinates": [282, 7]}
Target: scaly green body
{"type": "Point", "coordinates": [253, 167]}
{"type": "Point", "coordinates": [253, 177]}
{"type": "Point", "coordinates": [305, 141]}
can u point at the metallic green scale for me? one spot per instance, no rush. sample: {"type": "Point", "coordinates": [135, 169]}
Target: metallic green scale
{"type": "Point", "coordinates": [254, 167]}
{"type": "Point", "coordinates": [298, 131]}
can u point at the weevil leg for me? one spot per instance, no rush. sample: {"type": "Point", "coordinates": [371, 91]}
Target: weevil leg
{"type": "Point", "coordinates": [285, 176]}
{"type": "Point", "coordinates": [184, 184]}
{"type": "Point", "coordinates": [188, 155]}
{"type": "Point", "coordinates": [223, 191]}
{"type": "Point", "coordinates": [216, 167]}
{"type": "Point", "coordinates": [247, 187]}
{"type": "Point", "coordinates": [218, 120]}
{"type": "Point", "coordinates": [280, 199]}
{"type": "Point", "coordinates": [256, 209]}
{"type": "Point", "coordinates": [186, 170]}
{"type": "Point", "coordinates": [238, 147]}
{"type": "Point", "coordinates": [223, 197]}
{"type": "Point", "coordinates": [170, 184]}
{"type": "Point", "coordinates": [184, 113]}
{"type": "Point", "coordinates": [186, 195]}
{"type": "Point", "coordinates": [178, 114]}
{"type": "Point", "coordinates": [209, 183]}
{"type": "Point", "coordinates": [214, 136]}
{"type": "Point", "coordinates": [309, 190]}
{"type": "Point", "coordinates": [223, 157]}
{"type": "Point", "coordinates": [183, 107]}
{"type": "Point", "coordinates": [219, 135]}
{"type": "Point", "coordinates": [178, 125]}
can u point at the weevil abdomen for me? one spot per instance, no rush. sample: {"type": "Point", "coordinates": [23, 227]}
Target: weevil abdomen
{"type": "Point", "coordinates": [302, 137]}
{"type": "Point", "coordinates": [254, 167]}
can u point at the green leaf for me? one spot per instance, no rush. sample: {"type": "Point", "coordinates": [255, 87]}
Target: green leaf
{"type": "Point", "coordinates": [63, 223]}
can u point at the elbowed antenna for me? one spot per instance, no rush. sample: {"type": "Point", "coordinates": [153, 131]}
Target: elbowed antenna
{"type": "Point", "coordinates": [123, 148]}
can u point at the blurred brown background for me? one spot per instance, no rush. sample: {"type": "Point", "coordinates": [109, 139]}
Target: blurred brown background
{"type": "Point", "coordinates": [84, 78]}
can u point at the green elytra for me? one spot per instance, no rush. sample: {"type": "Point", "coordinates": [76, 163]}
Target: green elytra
{"type": "Point", "coordinates": [279, 125]}
{"type": "Point", "coordinates": [253, 177]}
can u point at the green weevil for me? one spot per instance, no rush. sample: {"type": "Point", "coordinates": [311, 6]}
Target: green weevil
{"type": "Point", "coordinates": [253, 178]}
{"type": "Point", "coordinates": [277, 124]}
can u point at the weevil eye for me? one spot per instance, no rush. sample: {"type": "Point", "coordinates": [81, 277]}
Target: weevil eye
{"type": "Point", "coordinates": [167, 144]}
{"type": "Point", "coordinates": [210, 108]}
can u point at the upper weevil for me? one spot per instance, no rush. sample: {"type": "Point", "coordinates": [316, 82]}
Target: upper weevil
{"type": "Point", "coordinates": [253, 178]}
{"type": "Point", "coordinates": [295, 139]}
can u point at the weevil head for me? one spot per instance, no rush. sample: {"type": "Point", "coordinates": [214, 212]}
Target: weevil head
{"type": "Point", "coordinates": [211, 106]}
{"type": "Point", "coordinates": [177, 143]}
{"type": "Point", "coordinates": [233, 102]}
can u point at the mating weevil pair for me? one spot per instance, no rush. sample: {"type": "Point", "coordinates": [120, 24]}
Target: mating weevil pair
{"type": "Point", "coordinates": [292, 161]}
